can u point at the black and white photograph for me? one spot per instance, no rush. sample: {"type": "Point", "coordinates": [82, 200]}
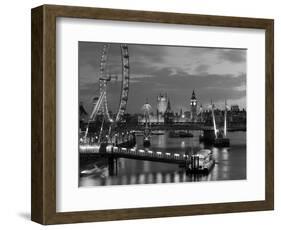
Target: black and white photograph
{"type": "Point", "coordinates": [152, 114]}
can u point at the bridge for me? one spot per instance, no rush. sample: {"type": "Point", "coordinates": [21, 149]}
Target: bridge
{"type": "Point", "coordinates": [177, 126]}
{"type": "Point", "coordinates": [112, 153]}
{"type": "Point", "coordinates": [133, 153]}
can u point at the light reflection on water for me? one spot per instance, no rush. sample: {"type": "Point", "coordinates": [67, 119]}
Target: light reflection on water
{"type": "Point", "coordinates": [230, 163]}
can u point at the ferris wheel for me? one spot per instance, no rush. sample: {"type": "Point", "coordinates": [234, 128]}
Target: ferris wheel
{"type": "Point", "coordinates": [104, 78]}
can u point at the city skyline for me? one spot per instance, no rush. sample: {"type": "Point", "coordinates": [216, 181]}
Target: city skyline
{"type": "Point", "coordinates": [214, 73]}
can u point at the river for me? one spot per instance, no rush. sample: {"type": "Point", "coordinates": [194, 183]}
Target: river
{"type": "Point", "coordinates": [230, 163]}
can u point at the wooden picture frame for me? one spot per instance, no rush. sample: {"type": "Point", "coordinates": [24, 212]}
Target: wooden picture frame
{"type": "Point", "coordinates": [43, 208]}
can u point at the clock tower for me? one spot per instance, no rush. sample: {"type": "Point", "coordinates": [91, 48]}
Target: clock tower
{"type": "Point", "coordinates": [193, 107]}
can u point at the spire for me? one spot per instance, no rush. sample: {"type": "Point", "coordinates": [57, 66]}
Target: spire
{"type": "Point", "coordinates": [169, 105]}
{"type": "Point", "coordinates": [193, 97]}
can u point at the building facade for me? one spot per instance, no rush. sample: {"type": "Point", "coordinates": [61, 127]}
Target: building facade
{"type": "Point", "coordinates": [169, 115]}
{"type": "Point", "coordinates": [162, 105]}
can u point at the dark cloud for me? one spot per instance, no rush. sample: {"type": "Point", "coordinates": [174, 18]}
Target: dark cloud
{"type": "Point", "coordinates": [201, 68]}
{"type": "Point", "coordinates": [151, 53]}
{"type": "Point", "coordinates": [233, 55]}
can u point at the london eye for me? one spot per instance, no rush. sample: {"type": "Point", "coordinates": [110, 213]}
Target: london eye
{"type": "Point", "coordinates": [104, 78]}
{"type": "Point", "coordinates": [101, 105]}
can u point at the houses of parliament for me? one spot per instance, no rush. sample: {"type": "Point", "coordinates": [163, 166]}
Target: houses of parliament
{"type": "Point", "coordinates": [193, 114]}
{"type": "Point", "coordinates": [165, 114]}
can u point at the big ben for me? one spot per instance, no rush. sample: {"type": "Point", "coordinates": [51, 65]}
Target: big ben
{"type": "Point", "coordinates": [193, 107]}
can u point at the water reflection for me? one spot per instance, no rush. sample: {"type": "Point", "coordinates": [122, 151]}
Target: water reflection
{"type": "Point", "coordinates": [230, 163]}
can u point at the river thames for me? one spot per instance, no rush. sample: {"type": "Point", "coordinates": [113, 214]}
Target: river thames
{"type": "Point", "coordinates": [230, 163]}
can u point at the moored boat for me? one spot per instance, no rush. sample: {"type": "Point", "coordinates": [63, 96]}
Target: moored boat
{"type": "Point", "coordinates": [157, 132]}
{"type": "Point", "coordinates": [180, 134]}
{"type": "Point", "coordinates": [201, 162]}
{"type": "Point", "coordinates": [185, 134]}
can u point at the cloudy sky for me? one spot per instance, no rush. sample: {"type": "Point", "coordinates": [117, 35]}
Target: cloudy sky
{"type": "Point", "coordinates": [214, 73]}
